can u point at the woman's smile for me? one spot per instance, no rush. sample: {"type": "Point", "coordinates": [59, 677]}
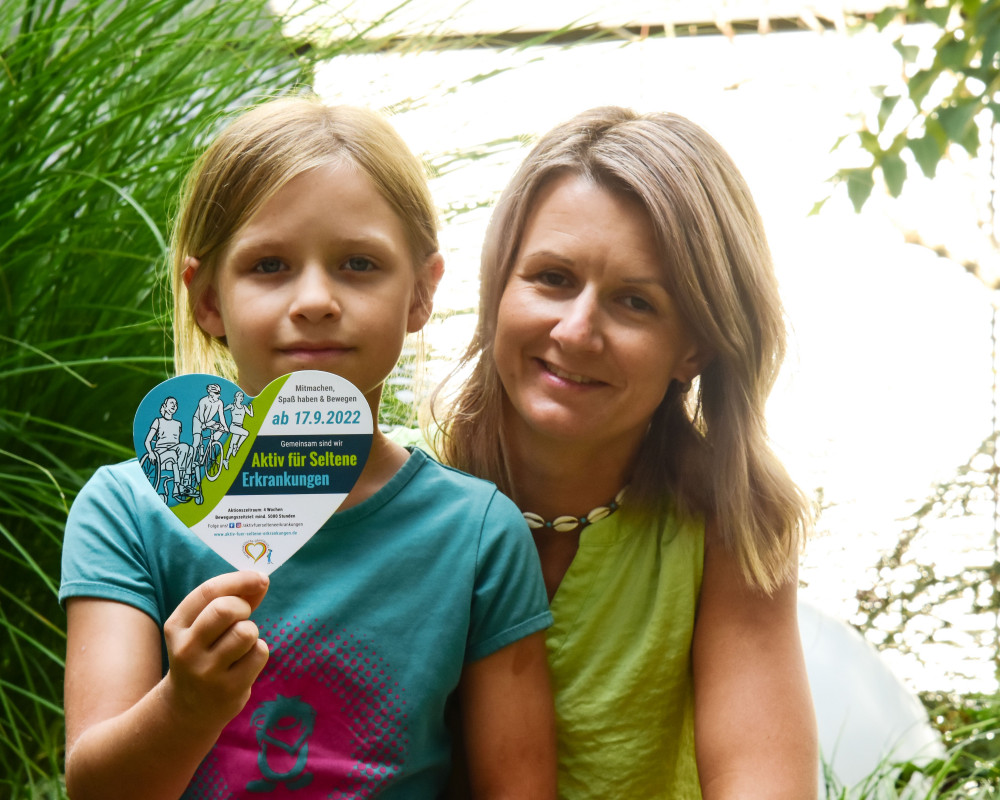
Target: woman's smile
{"type": "Point", "coordinates": [568, 376]}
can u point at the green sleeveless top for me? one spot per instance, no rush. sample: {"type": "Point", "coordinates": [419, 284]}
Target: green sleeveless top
{"type": "Point", "coordinates": [620, 657]}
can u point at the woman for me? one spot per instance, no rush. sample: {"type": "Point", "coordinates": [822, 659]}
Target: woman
{"type": "Point", "coordinates": [630, 332]}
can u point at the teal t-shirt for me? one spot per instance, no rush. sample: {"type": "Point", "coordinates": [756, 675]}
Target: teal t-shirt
{"type": "Point", "coordinates": [369, 624]}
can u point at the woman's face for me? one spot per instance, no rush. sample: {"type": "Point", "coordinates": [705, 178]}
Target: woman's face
{"type": "Point", "coordinates": [588, 337]}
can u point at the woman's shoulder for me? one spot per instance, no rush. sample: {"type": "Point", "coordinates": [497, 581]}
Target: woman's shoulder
{"type": "Point", "coordinates": [665, 523]}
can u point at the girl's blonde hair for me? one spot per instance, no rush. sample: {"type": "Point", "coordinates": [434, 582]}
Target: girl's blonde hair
{"type": "Point", "coordinates": [252, 158]}
{"type": "Point", "coordinates": [706, 451]}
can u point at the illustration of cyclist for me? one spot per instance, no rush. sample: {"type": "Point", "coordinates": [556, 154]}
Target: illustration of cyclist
{"type": "Point", "coordinates": [209, 416]}
{"type": "Point", "coordinates": [165, 448]}
{"type": "Point", "coordinates": [208, 427]}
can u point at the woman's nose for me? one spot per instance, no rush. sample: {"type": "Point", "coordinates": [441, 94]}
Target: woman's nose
{"type": "Point", "coordinates": [579, 327]}
{"type": "Point", "coordinates": [315, 295]}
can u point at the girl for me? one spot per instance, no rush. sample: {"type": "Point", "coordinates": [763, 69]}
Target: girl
{"type": "Point", "coordinates": [306, 240]}
{"type": "Point", "coordinates": [629, 333]}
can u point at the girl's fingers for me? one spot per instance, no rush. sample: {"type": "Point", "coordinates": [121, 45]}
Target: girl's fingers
{"type": "Point", "coordinates": [246, 584]}
{"type": "Point", "coordinates": [235, 642]}
{"type": "Point", "coordinates": [219, 618]}
{"type": "Point", "coordinates": [247, 668]}
{"type": "Point", "coordinates": [211, 625]}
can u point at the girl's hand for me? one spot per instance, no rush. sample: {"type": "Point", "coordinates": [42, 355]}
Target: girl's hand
{"type": "Point", "coordinates": [131, 733]}
{"type": "Point", "coordinates": [214, 649]}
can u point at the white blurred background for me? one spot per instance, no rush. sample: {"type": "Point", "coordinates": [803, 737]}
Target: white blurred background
{"type": "Point", "coordinates": [888, 384]}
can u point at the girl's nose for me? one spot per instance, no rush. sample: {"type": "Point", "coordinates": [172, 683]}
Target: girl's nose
{"type": "Point", "coordinates": [579, 327]}
{"type": "Point", "coordinates": [315, 295]}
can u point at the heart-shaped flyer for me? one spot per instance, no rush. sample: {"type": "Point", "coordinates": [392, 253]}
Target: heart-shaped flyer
{"type": "Point", "coordinates": [253, 477]}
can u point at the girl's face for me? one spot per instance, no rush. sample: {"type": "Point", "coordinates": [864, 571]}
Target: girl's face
{"type": "Point", "coordinates": [320, 278]}
{"type": "Point", "coordinates": [588, 337]}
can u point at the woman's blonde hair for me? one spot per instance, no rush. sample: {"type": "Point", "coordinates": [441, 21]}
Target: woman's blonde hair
{"type": "Point", "coordinates": [706, 451]}
{"type": "Point", "coordinates": [252, 158]}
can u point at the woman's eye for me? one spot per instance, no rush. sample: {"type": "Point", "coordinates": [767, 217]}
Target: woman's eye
{"type": "Point", "coordinates": [268, 266]}
{"type": "Point", "coordinates": [637, 303]}
{"type": "Point", "coordinates": [552, 278]}
{"type": "Point", "coordinates": [359, 264]}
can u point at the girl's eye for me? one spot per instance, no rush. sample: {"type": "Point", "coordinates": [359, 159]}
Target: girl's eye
{"type": "Point", "coordinates": [359, 264]}
{"type": "Point", "coordinates": [268, 266]}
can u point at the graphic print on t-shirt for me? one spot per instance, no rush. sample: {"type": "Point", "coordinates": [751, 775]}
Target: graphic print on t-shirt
{"type": "Point", "coordinates": [284, 726]}
{"type": "Point", "coordinates": [326, 713]}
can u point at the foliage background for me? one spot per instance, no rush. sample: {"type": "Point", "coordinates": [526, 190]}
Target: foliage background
{"type": "Point", "coordinates": [944, 109]}
{"type": "Point", "coordinates": [102, 105]}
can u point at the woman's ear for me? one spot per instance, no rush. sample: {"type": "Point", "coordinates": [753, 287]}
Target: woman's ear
{"type": "Point", "coordinates": [428, 278]}
{"type": "Point", "coordinates": [204, 299]}
{"type": "Point", "coordinates": [693, 362]}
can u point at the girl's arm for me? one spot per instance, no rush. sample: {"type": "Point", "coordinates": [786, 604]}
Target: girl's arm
{"type": "Point", "coordinates": [130, 733]}
{"type": "Point", "coordinates": [508, 723]}
{"type": "Point", "coordinates": [755, 729]}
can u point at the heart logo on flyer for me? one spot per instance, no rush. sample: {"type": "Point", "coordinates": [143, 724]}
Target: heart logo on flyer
{"type": "Point", "coordinates": [253, 477]}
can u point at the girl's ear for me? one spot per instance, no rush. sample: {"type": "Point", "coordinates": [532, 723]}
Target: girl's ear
{"type": "Point", "coordinates": [428, 278]}
{"type": "Point", "coordinates": [205, 300]}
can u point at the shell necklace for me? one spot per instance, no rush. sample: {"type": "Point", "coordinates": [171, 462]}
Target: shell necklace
{"type": "Point", "coordinates": [565, 524]}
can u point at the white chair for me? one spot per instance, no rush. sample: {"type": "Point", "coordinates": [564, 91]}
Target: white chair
{"type": "Point", "coordinates": [866, 717]}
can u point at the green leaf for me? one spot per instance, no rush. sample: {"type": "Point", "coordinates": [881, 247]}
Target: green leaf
{"type": "Point", "coordinates": [840, 140]}
{"type": "Point", "coordinates": [817, 207]}
{"type": "Point", "coordinates": [860, 183]}
{"type": "Point", "coordinates": [927, 152]}
{"type": "Point", "coordinates": [885, 109]}
{"type": "Point", "coordinates": [909, 52]}
{"type": "Point", "coordinates": [884, 17]}
{"type": "Point", "coordinates": [894, 172]}
{"type": "Point", "coordinates": [991, 46]}
{"type": "Point", "coordinates": [957, 119]}
{"type": "Point", "coordinates": [869, 141]}
{"type": "Point", "coordinates": [920, 84]}
{"type": "Point", "coordinates": [970, 141]}
{"type": "Point", "coordinates": [970, 7]}
{"type": "Point", "coordinates": [953, 54]}
{"type": "Point", "coordinates": [937, 15]}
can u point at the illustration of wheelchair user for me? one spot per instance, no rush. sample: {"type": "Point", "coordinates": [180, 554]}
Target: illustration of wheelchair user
{"type": "Point", "coordinates": [208, 426]}
{"type": "Point", "coordinates": [176, 469]}
{"type": "Point", "coordinates": [168, 461]}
